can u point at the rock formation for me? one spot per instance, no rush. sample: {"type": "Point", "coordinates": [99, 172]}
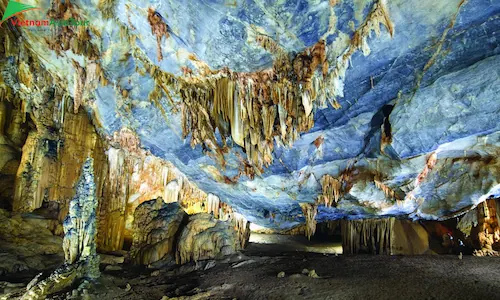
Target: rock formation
{"type": "Point", "coordinates": [384, 236]}
{"type": "Point", "coordinates": [79, 244]}
{"type": "Point", "coordinates": [205, 237]}
{"type": "Point", "coordinates": [284, 115]}
{"type": "Point", "coordinates": [482, 226]}
{"type": "Point", "coordinates": [155, 231]}
{"type": "Point", "coordinates": [28, 242]}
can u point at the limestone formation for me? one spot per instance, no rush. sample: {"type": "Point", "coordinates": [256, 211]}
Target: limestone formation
{"type": "Point", "coordinates": [28, 243]}
{"type": "Point", "coordinates": [384, 236]}
{"type": "Point", "coordinates": [486, 229]}
{"type": "Point", "coordinates": [79, 244]}
{"type": "Point", "coordinates": [310, 211]}
{"type": "Point", "coordinates": [156, 225]}
{"type": "Point", "coordinates": [368, 236]}
{"type": "Point", "coordinates": [205, 237]}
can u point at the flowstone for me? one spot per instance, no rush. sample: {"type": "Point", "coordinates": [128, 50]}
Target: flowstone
{"type": "Point", "coordinates": [81, 259]}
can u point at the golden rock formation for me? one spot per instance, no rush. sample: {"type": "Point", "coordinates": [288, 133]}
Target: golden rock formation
{"type": "Point", "coordinates": [205, 237]}
{"type": "Point", "coordinates": [384, 236]}
{"type": "Point", "coordinates": [155, 226]}
{"type": "Point", "coordinates": [310, 211]}
{"type": "Point", "coordinates": [486, 234]}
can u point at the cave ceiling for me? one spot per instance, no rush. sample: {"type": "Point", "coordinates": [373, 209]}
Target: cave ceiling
{"type": "Point", "coordinates": [364, 108]}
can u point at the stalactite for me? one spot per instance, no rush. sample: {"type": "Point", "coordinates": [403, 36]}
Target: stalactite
{"type": "Point", "coordinates": [242, 226]}
{"type": "Point", "coordinates": [389, 192]}
{"type": "Point", "coordinates": [159, 29]}
{"type": "Point", "coordinates": [78, 86]}
{"type": "Point", "coordinates": [310, 211]}
{"type": "Point", "coordinates": [172, 192]}
{"type": "Point", "coordinates": [367, 236]}
{"type": "Point", "coordinates": [331, 191]}
{"type": "Point", "coordinates": [213, 204]}
{"type": "Point", "coordinates": [378, 16]}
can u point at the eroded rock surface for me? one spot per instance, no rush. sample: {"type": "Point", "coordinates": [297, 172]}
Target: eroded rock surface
{"type": "Point", "coordinates": [27, 243]}
{"type": "Point", "coordinates": [156, 226]}
{"type": "Point", "coordinates": [205, 237]}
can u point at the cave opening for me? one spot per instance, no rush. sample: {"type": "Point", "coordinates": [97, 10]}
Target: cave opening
{"type": "Point", "coordinates": [326, 240]}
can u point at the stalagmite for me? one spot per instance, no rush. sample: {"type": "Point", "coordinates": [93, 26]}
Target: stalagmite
{"type": "Point", "coordinates": [309, 211]}
{"type": "Point", "coordinates": [79, 244]}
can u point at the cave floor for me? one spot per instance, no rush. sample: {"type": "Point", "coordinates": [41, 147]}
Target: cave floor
{"type": "Point", "coordinates": [254, 276]}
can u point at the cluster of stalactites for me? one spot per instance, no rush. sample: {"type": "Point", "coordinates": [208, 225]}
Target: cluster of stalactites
{"type": "Point", "coordinates": [369, 236]}
{"type": "Point", "coordinates": [310, 211]}
{"type": "Point", "coordinates": [333, 188]}
{"type": "Point", "coordinates": [331, 191]}
{"type": "Point", "coordinates": [272, 107]}
{"type": "Point", "coordinates": [252, 109]}
{"type": "Point", "coordinates": [224, 212]}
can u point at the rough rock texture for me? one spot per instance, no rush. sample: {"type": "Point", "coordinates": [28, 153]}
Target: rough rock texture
{"type": "Point", "coordinates": [27, 243]}
{"type": "Point", "coordinates": [409, 238]}
{"type": "Point", "coordinates": [79, 244]}
{"type": "Point", "coordinates": [205, 237]}
{"type": "Point", "coordinates": [155, 230]}
{"type": "Point", "coordinates": [257, 103]}
{"type": "Point", "coordinates": [486, 231]}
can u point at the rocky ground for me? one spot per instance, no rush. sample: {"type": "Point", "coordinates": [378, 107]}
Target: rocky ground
{"type": "Point", "coordinates": [257, 274]}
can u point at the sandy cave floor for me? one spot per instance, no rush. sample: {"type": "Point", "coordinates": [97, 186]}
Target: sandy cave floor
{"type": "Point", "coordinates": [253, 275]}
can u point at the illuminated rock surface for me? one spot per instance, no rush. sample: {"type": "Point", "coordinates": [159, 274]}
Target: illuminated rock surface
{"type": "Point", "coordinates": [81, 261]}
{"type": "Point", "coordinates": [372, 122]}
{"type": "Point", "coordinates": [204, 238]}
{"type": "Point", "coordinates": [275, 96]}
{"type": "Point", "coordinates": [155, 228]}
